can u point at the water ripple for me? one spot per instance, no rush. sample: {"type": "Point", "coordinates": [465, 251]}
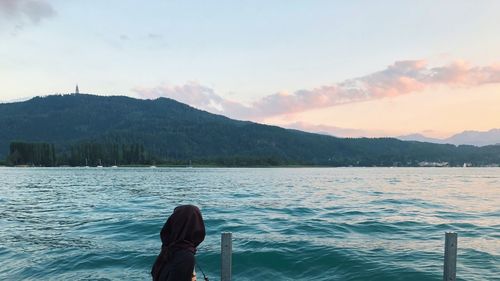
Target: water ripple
{"type": "Point", "coordinates": [287, 224]}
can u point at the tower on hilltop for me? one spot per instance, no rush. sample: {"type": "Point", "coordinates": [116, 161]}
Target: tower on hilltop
{"type": "Point", "coordinates": [76, 90]}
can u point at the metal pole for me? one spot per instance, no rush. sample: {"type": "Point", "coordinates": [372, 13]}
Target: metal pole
{"type": "Point", "coordinates": [226, 247]}
{"type": "Point", "coordinates": [450, 257]}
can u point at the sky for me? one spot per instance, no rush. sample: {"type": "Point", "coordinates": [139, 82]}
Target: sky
{"type": "Point", "coordinates": [349, 68]}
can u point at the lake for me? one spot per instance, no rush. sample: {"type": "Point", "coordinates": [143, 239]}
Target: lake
{"type": "Point", "coordinates": [287, 223]}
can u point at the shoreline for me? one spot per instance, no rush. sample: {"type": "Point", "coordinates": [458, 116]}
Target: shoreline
{"type": "Point", "coordinates": [249, 166]}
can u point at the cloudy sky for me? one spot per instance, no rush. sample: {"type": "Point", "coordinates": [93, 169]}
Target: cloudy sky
{"type": "Point", "coordinates": [352, 68]}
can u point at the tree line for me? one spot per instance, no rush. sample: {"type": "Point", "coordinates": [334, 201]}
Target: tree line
{"type": "Point", "coordinates": [109, 154]}
{"type": "Point", "coordinates": [82, 154]}
{"type": "Point", "coordinates": [106, 154]}
{"type": "Point", "coordinates": [33, 154]}
{"type": "Point", "coordinates": [370, 153]}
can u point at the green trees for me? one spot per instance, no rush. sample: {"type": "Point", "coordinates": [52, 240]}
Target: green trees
{"type": "Point", "coordinates": [107, 154]}
{"type": "Point", "coordinates": [82, 154]}
{"type": "Point", "coordinates": [33, 154]}
{"type": "Point", "coordinates": [357, 152]}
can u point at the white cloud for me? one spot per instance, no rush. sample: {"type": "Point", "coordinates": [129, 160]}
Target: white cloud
{"type": "Point", "coordinates": [20, 10]}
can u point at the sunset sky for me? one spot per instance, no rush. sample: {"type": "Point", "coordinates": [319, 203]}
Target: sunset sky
{"type": "Point", "coordinates": [351, 68]}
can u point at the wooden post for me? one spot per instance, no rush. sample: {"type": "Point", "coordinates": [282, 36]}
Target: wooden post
{"type": "Point", "coordinates": [450, 257]}
{"type": "Point", "coordinates": [226, 247]}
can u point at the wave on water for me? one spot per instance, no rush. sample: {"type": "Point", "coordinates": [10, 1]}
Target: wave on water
{"type": "Point", "coordinates": [287, 224]}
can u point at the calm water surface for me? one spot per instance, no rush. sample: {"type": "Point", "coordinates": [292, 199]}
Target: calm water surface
{"type": "Point", "coordinates": [287, 224]}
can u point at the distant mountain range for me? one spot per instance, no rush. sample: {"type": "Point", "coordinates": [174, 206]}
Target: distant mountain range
{"type": "Point", "coordinates": [476, 138]}
{"type": "Point", "coordinates": [170, 131]}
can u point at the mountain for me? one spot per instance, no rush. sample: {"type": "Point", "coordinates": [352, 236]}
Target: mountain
{"type": "Point", "coordinates": [421, 138]}
{"type": "Point", "coordinates": [171, 131]}
{"type": "Point", "coordinates": [476, 138]}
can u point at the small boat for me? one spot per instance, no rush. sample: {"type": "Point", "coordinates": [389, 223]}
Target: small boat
{"type": "Point", "coordinates": [114, 166]}
{"type": "Point", "coordinates": [152, 166]}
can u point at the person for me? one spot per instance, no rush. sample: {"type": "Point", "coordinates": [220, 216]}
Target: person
{"type": "Point", "coordinates": [181, 234]}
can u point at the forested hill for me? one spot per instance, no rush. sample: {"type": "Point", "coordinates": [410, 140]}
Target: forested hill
{"type": "Point", "coordinates": [171, 131]}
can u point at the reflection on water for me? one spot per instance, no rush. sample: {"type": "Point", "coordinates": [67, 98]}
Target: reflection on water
{"type": "Point", "coordinates": [287, 224]}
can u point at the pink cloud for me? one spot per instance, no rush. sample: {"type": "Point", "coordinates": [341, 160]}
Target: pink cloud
{"type": "Point", "coordinates": [400, 78]}
{"type": "Point", "coordinates": [461, 73]}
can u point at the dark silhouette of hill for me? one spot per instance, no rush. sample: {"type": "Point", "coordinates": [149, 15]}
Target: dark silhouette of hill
{"type": "Point", "coordinates": [173, 131]}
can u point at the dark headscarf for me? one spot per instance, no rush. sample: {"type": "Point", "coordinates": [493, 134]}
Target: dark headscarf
{"type": "Point", "coordinates": [184, 229]}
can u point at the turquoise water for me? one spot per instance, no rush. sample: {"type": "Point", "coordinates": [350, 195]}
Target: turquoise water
{"type": "Point", "coordinates": [287, 223]}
